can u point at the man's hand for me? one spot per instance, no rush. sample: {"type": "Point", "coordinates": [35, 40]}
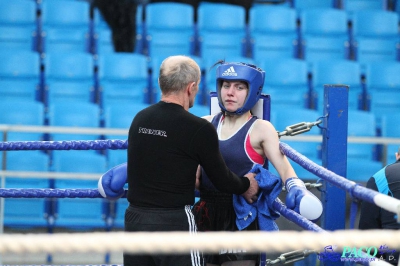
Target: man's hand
{"type": "Point", "coordinates": [251, 194]}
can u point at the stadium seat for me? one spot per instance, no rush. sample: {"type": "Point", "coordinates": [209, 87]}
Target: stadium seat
{"type": "Point", "coordinates": [20, 212]}
{"type": "Point", "coordinates": [120, 116]}
{"type": "Point", "coordinates": [335, 72]}
{"type": "Point", "coordinates": [286, 80]}
{"type": "Point", "coordinates": [69, 114]}
{"type": "Point", "coordinates": [18, 25]}
{"type": "Point", "coordinates": [391, 125]}
{"type": "Point", "coordinates": [69, 76]}
{"type": "Point", "coordinates": [355, 5]}
{"type": "Point", "coordinates": [19, 67]}
{"type": "Point", "coordinates": [79, 214]}
{"type": "Point", "coordinates": [65, 26]}
{"type": "Point", "coordinates": [301, 5]}
{"type": "Point", "coordinates": [361, 124]}
{"type": "Point", "coordinates": [123, 78]}
{"type": "Point", "coordinates": [221, 30]}
{"type": "Point", "coordinates": [382, 84]}
{"type": "Point", "coordinates": [391, 149]}
{"type": "Point", "coordinates": [360, 170]}
{"type": "Point", "coordinates": [374, 35]}
{"type": "Point", "coordinates": [15, 90]}
{"type": "Point", "coordinates": [116, 157]}
{"type": "Point", "coordinates": [200, 110]}
{"type": "Point", "coordinates": [24, 113]}
{"type": "Point", "coordinates": [324, 34]}
{"type": "Point", "coordinates": [273, 32]}
{"type": "Point", "coordinates": [103, 41]}
{"type": "Point", "coordinates": [169, 29]}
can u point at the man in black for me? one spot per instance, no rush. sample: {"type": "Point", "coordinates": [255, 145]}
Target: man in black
{"type": "Point", "coordinates": [166, 145]}
{"type": "Point", "coordinates": [386, 181]}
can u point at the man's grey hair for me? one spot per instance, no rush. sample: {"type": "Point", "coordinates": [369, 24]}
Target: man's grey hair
{"type": "Point", "coordinates": [176, 72]}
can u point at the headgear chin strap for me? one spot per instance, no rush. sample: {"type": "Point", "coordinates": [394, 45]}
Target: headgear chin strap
{"type": "Point", "coordinates": [251, 74]}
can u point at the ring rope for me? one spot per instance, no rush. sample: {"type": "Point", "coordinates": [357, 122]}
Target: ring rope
{"type": "Point", "coordinates": [114, 144]}
{"type": "Point", "coordinates": [369, 195]}
{"type": "Point", "coordinates": [160, 242]}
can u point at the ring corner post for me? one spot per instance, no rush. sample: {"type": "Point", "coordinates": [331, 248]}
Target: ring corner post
{"type": "Point", "coordinates": [334, 156]}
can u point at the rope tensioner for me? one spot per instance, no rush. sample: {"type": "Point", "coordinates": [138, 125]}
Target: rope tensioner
{"type": "Point", "coordinates": [290, 257]}
{"type": "Point", "coordinates": [298, 128]}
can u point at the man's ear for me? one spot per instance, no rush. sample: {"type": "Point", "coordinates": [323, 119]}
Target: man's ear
{"type": "Point", "coordinates": [190, 87]}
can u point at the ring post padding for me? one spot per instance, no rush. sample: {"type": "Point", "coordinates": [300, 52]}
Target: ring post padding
{"type": "Point", "coordinates": [334, 156]}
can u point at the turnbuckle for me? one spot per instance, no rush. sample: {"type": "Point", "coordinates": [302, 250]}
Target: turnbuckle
{"type": "Point", "coordinates": [298, 128]}
{"type": "Point", "coordinates": [291, 257]}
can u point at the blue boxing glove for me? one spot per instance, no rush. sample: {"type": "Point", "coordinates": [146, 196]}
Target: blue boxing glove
{"type": "Point", "coordinates": [301, 200]}
{"type": "Point", "coordinates": [111, 184]}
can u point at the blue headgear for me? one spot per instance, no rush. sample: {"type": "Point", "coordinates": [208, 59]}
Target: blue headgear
{"type": "Point", "coordinates": [251, 74]}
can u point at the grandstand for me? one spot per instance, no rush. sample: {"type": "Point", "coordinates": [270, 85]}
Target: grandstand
{"type": "Point", "coordinates": [52, 58]}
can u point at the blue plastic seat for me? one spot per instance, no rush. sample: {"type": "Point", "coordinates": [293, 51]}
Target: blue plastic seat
{"type": "Point", "coordinates": [383, 103]}
{"type": "Point", "coordinates": [18, 25]}
{"type": "Point", "coordinates": [169, 29]}
{"type": "Point", "coordinates": [360, 170]}
{"type": "Point", "coordinates": [221, 30]}
{"type": "Point", "coordinates": [200, 110]}
{"type": "Point", "coordinates": [70, 114]}
{"type": "Point", "coordinates": [273, 32]}
{"type": "Point", "coordinates": [164, 43]}
{"type": "Point", "coordinates": [286, 80]}
{"type": "Point", "coordinates": [374, 35]}
{"type": "Point", "coordinates": [337, 72]}
{"type": "Point", "coordinates": [24, 113]}
{"type": "Point", "coordinates": [361, 124]}
{"type": "Point", "coordinates": [123, 78]}
{"type": "Point", "coordinates": [19, 65]}
{"type": "Point", "coordinates": [120, 116]}
{"type": "Point", "coordinates": [390, 125]}
{"type": "Point", "coordinates": [390, 153]}
{"type": "Point", "coordinates": [20, 212]}
{"type": "Point", "coordinates": [375, 50]}
{"type": "Point", "coordinates": [18, 38]}
{"type": "Point", "coordinates": [355, 5]}
{"type": "Point", "coordinates": [306, 4]}
{"type": "Point", "coordinates": [324, 34]}
{"type": "Point", "coordinates": [116, 157]}
{"type": "Point", "coordinates": [79, 213]}
{"type": "Point", "coordinates": [104, 41]}
{"type": "Point", "coordinates": [65, 26]}
{"type": "Point", "coordinates": [383, 88]}
{"type": "Point", "coordinates": [67, 72]}
{"type": "Point", "coordinates": [26, 90]}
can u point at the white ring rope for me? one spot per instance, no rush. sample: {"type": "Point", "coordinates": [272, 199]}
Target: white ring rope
{"type": "Point", "coordinates": [52, 175]}
{"type": "Point", "coordinates": [182, 242]}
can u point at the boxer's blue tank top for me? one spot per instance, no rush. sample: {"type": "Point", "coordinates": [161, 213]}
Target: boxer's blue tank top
{"type": "Point", "coordinates": [239, 158]}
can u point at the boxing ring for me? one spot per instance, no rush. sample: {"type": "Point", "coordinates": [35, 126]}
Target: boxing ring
{"type": "Point", "coordinates": [326, 240]}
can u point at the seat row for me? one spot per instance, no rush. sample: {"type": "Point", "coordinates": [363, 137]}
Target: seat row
{"type": "Point", "coordinates": [220, 30]}
{"type": "Point", "coordinates": [76, 214]}
{"type": "Point", "coordinates": [130, 78]}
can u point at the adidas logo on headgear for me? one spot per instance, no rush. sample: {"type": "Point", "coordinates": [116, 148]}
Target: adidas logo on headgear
{"type": "Point", "coordinates": [229, 72]}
